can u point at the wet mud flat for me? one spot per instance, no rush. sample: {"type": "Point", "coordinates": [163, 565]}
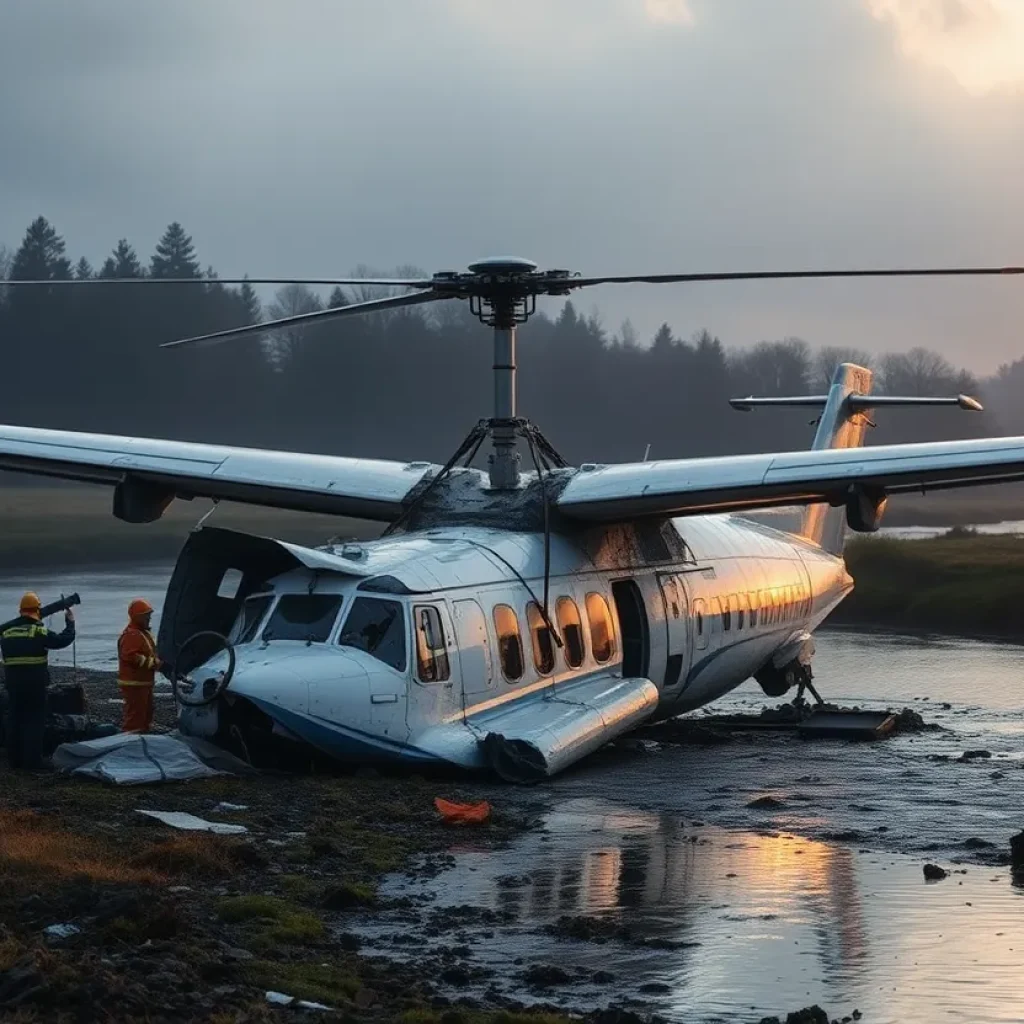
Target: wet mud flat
{"type": "Point", "coordinates": [695, 873]}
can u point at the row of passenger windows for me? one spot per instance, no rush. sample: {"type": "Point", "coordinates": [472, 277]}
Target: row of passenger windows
{"type": "Point", "coordinates": [570, 629]}
{"type": "Point", "coordinates": [765, 607]}
{"type": "Point", "coordinates": [377, 626]}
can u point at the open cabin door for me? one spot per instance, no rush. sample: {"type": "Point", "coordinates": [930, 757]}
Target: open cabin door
{"type": "Point", "coordinates": [677, 620]}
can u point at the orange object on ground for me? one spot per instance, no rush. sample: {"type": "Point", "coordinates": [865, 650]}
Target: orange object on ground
{"type": "Point", "coordinates": [138, 708]}
{"type": "Point", "coordinates": [463, 814]}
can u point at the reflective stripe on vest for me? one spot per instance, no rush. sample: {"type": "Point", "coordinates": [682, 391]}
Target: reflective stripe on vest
{"type": "Point", "coordinates": [132, 682]}
{"type": "Point", "coordinates": [24, 638]}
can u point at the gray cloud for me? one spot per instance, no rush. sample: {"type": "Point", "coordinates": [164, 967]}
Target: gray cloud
{"type": "Point", "coordinates": [602, 135]}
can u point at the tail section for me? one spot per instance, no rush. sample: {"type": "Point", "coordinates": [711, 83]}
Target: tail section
{"type": "Point", "coordinates": [843, 423]}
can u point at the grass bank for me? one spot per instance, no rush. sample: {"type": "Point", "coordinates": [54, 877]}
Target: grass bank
{"type": "Point", "coordinates": [967, 585]}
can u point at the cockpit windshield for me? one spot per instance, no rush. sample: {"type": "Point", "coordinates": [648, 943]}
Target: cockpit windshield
{"type": "Point", "coordinates": [307, 617]}
{"type": "Point", "coordinates": [249, 618]}
{"type": "Point", "coordinates": [378, 628]}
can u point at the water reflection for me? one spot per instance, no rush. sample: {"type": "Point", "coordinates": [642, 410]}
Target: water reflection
{"type": "Point", "coordinates": [737, 924]}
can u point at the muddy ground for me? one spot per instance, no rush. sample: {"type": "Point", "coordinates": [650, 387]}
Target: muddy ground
{"type": "Point", "coordinates": [180, 926]}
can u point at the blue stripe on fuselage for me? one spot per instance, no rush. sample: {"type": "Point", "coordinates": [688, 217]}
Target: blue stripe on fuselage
{"type": "Point", "coordinates": [342, 741]}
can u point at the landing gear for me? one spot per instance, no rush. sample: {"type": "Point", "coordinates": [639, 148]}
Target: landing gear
{"type": "Point", "coordinates": [806, 684]}
{"type": "Point", "coordinates": [791, 667]}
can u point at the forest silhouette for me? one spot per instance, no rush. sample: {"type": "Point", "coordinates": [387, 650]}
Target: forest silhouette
{"type": "Point", "coordinates": [409, 384]}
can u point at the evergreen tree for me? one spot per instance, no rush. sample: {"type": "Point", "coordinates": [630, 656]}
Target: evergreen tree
{"type": "Point", "coordinates": [663, 339]}
{"type": "Point", "coordinates": [83, 270]}
{"type": "Point", "coordinates": [175, 254]}
{"type": "Point", "coordinates": [337, 298]}
{"type": "Point", "coordinates": [123, 262]}
{"type": "Point", "coordinates": [41, 255]}
{"type": "Point", "coordinates": [252, 311]}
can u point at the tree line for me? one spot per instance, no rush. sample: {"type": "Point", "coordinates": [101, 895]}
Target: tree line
{"type": "Point", "coordinates": [406, 384]}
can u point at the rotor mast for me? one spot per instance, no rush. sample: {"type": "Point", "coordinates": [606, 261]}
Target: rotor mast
{"type": "Point", "coordinates": [504, 461]}
{"type": "Point", "coordinates": [502, 295]}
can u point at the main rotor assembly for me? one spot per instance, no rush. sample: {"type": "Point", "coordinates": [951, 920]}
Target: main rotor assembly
{"type": "Point", "coordinates": [502, 294]}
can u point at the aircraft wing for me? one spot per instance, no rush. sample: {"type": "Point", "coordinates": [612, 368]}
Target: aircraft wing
{"type": "Point", "coordinates": [736, 483]}
{"type": "Point", "coordinates": [150, 473]}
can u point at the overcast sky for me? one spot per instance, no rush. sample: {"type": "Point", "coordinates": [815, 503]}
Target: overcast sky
{"type": "Point", "coordinates": [306, 137]}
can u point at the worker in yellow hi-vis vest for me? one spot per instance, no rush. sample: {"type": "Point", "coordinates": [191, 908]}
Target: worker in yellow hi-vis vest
{"type": "Point", "coordinates": [25, 645]}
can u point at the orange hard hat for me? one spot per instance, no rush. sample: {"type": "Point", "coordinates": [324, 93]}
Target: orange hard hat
{"type": "Point", "coordinates": [30, 602]}
{"type": "Point", "coordinates": [138, 608]}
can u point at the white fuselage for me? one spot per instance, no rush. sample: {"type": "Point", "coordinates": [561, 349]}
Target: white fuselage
{"type": "Point", "coordinates": [424, 645]}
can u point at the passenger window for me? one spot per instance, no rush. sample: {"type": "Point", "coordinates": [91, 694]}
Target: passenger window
{"type": "Point", "coordinates": [307, 617]}
{"type": "Point", "coordinates": [378, 628]}
{"type": "Point", "coordinates": [699, 624]}
{"type": "Point", "coordinates": [602, 632]}
{"type": "Point", "coordinates": [753, 609]}
{"type": "Point", "coordinates": [716, 612]}
{"type": "Point", "coordinates": [742, 611]}
{"type": "Point", "coordinates": [726, 615]}
{"type": "Point", "coordinates": [572, 631]}
{"type": "Point", "coordinates": [510, 644]}
{"type": "Point", "coordinates": [540, 637]}
{"type": "Point", "coordinates": [250, 617]}
{"type": "Point", "coordinates": [431, 647]}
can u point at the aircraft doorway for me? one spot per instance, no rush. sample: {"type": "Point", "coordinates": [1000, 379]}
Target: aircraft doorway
{"type": "Point", "coordinates": [629, 603]}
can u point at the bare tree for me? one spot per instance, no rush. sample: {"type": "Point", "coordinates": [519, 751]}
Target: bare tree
{"type": "Point", "coordinates": [365, 293]}
{"type": "Point", "coordinates": [290, 300]}
{"type": "Point", "coordinates": [827, 360]}
{"type": "Point", "coordinates": [918, 372]}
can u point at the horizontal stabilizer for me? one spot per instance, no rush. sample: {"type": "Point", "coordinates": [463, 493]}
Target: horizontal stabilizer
{"type": "Point", "coordinates": [857, 403]}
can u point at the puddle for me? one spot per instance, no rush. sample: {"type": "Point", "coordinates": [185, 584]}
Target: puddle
{"type": "Point", "coordinates": [696, 922]}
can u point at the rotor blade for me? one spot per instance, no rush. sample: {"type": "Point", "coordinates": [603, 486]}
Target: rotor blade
{"type": "Point", "coordinates": [322, 282]}
{"type": "Point", "coordinates": [372, 306]}
{"type": "Point", "coordinates": [776, 275]}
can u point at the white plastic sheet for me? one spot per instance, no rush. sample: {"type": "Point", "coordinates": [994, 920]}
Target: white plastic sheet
{"type": "Point", "coordinates": [190, 823]}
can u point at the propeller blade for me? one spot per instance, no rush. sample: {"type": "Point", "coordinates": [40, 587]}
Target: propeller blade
{"type": "Point", "coordinates": [320, 315]}
{"type": "Point", "coordinates": [777, 275]}
{"type": "Point", "coordinates": [322, 282]}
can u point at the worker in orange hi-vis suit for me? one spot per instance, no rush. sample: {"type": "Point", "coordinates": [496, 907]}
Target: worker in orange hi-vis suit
{"type": "Point", "coordinates": [137, 664]}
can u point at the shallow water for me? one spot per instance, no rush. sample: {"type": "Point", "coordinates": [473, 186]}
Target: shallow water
{"type": "Point", "coordinates": [757, 924]}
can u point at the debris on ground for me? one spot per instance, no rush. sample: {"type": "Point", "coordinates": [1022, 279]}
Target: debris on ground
{"type": "Point", "coordinates": [190, 823]}
{"type": "Point", "coordinates": [225, 806]}
{"type": "Point", "coordinates": [280, 999]}
{"type": "Point", "coordinates": [61, 931]}
{"type": "Point", "coordinates": [974, 755]}
{"type": "Point", "coordinates": [764, 803]}
{"type": "Point", "coordinates": [546, 976]}
{"type": "Point", "coordinates": [463, 814]}
{"type": "Point", "coordinates": [933, 873]}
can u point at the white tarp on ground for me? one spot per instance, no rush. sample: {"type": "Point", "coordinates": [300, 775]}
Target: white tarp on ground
{"type": "Point", "coordinates": [129, 759]}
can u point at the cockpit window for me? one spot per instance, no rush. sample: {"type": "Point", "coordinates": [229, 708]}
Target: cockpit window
{"type": "Point", "coordinates": [303, 617]}
{"type": "Point", "coordinates": [250, 617]}
{"type": "Point", "coordinates": [377, 627]}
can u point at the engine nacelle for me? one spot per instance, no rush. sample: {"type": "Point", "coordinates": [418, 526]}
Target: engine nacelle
{"type": "Point", "coordinates": [865, 507]}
